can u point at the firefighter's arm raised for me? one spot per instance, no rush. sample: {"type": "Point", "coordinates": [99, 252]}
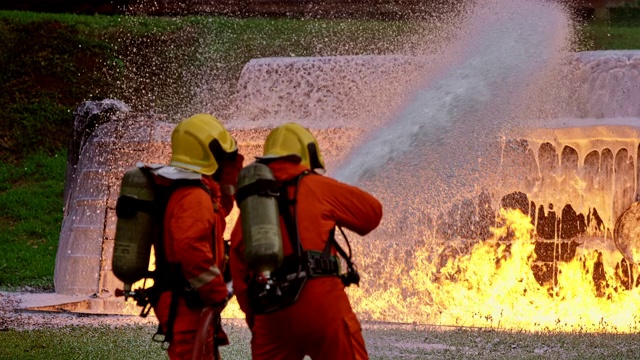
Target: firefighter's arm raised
{"type": "Point", "coordinates": [352, 207]}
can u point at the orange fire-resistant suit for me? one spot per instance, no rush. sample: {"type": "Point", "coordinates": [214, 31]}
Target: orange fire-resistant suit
{"type": "Point", "coordinates": [194, 224]}
{"type": "Point", "coordinates": [321, 323]}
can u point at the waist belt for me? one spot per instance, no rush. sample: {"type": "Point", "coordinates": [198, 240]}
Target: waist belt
{"type": "Point", "coordinates": [312, 264]}
{"type": "Point", "coordinates": [321, 265]}
{"type": "Point", "coordinates": [286, 282]}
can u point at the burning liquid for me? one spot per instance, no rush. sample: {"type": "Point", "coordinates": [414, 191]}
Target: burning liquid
{"type": "Point", "coordinates": [494, 286]}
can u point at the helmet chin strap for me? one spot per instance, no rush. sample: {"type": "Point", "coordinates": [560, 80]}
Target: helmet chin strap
{"type": "Point", "coordinates": [314, 157]}
{"type": "Point", "coordinates": [290, 158]}
{"type": "Point", "coordinates": [221, 156]}
{"type": "Point", "coordinates": [217, 176]}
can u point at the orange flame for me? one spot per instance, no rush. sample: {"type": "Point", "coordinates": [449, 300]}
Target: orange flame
{"type": "Point", "coordinates": [494, 286]}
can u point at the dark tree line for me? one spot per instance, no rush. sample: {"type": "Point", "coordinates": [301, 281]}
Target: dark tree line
{"type": "Point", "coordinates": [382, 9]}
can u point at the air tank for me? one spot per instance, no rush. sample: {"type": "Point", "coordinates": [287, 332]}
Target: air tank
{"type": "Point", "coordinates": [260, 219]}
{"type": "Point", "coordinates": [135, 227]}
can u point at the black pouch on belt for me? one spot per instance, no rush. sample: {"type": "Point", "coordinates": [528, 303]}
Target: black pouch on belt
{"type": "Point", "coordinates": [280, 290]}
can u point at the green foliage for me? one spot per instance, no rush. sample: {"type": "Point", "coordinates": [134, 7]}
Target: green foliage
{"type": "Point", "coordinates": [30, 217]}
{"type": "Point", "coordinates": [50, 63]}
{"type": "Point", "coordinates": [606, 37]}
{"type": "Point", "coordinates": [46, 69]}
{"type": "Point", "coordinates": [621, 31]}
{"type": "Point", "coordinates": [625, 17]}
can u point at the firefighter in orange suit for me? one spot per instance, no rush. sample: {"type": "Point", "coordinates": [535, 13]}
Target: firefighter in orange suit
{"type": "Point", "coordinates": [194, 221]}
{"type": "Point", "coordinates": [320, 323]}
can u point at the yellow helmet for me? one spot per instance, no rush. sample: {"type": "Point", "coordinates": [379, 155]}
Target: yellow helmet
{"type": "Point", "coordinates": [199, 143]}
{"type": "Point", "coordinates": [293, 140]}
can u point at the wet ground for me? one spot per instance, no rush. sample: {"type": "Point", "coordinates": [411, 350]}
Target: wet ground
{"type": "Point", "coordinates": [384, 340]}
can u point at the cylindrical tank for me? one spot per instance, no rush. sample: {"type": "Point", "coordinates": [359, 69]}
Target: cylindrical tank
{"type": "Point", "coordinates": [134, 228]}
{"type": "Point", "coordinates": [626, 234]}
{"type": "Point", "coordinates": [260, 220]}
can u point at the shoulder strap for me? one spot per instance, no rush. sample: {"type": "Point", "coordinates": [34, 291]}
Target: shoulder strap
{"type": "Point", "coordinates": [290, 215]}
{"type": "Point", "coordinates": [262, 187]}
{"type": "Point", "coordinates": [351, 276]}
{"type": "Point", "coordinates": [331, 241]}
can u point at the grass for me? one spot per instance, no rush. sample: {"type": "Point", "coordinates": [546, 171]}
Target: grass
{"type": "Point", "coordinates": [46, 71]}
{"type": "Point", "coordinates": [383, 342]}
{"type": "Point", "coordinates": [30, 217]}
{"type": "Point", "coordinates": [605, 37]}
{"type": "Point", "coordinates": [126, 343]}
{"type": "Point", "coordinates": [620, 32]}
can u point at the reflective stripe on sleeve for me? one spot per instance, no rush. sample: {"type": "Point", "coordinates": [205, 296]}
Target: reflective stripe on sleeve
{"type": "Point", "coordinates": [205, 277]}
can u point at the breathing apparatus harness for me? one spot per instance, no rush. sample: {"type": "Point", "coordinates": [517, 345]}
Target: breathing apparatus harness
{"type": "Point", "coordinates": [283, 287]}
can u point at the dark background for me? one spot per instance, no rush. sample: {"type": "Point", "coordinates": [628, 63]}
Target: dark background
{"type": "Point", "coordinates": [289, 8]}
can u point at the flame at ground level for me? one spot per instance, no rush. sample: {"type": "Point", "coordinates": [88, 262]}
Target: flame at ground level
{"type": "Point", "coordinates": [494, 286]}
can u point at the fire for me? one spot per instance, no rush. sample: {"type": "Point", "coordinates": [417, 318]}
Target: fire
{"type": "Point", "coordinates": [232, 310]}
{"type": "Point", "coordinates": [494, 286]}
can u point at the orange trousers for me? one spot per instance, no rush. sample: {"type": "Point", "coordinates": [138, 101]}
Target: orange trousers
{"type": "Point", "coordinates": [320, 324]}
{"type": "Point", "coordinates": [185, 329]}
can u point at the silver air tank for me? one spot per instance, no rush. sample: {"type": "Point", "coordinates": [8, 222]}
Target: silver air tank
{"type": "Point", "coordinates": [260, 220]}
{"type": "Point", "coordinates": [134, 228]}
